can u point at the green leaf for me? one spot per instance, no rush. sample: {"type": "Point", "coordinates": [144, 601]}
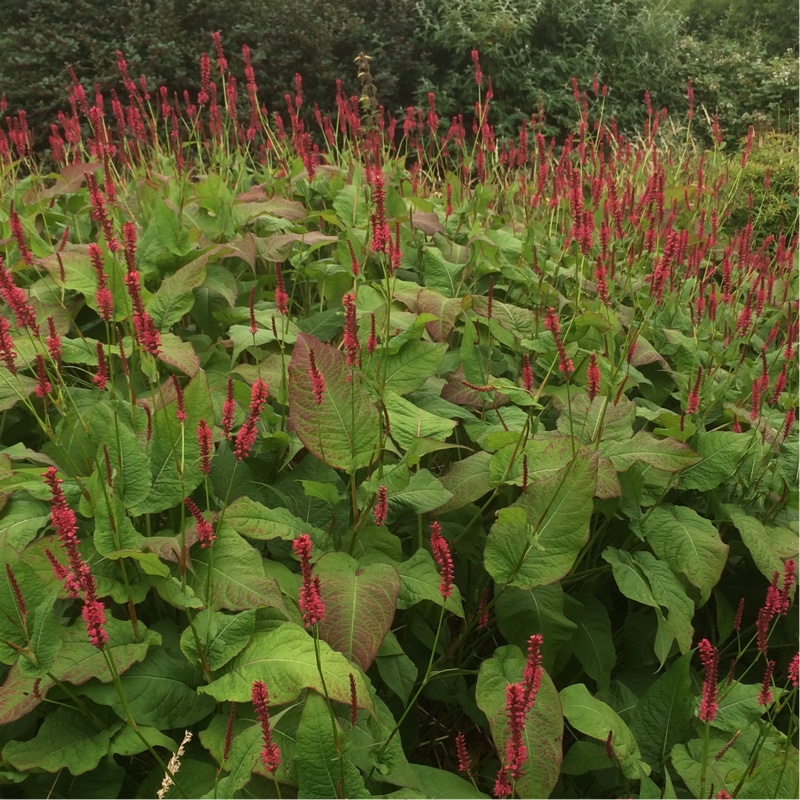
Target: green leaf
{"type": "Point", "coordinates": [687, 542]}
{"type": "Point", "coordinates": [67, 739]}
{"type": "Point", "coordinates": [396, 669]}
{"type": "Point", "coordinates": [596, 719]}
{"type": "Point", "coordinates": [322, 769]}
{"type": "Point", "coordinates": [643, 578]}
{"type": "Point", "coordinates": [160, 691]}
{"type": "Point", "coordinates": [21, 521]}
{"type": "Point", "coordinates": [441, 275]}
{"type": "Point", "coordinates": [256, 521]}
{"type": "Point", "coordinates": [536, 540]}
{"type": "Point", "coordinates": [238, 579]}
{"type": "Point", "coordinates": [170, 229]}
{"type": "Point", "coordinates": [352, 206]}
{"type": "Point", "coordinates": [219, 636]}
{"type": "Point", "coordinates": [408, 422]}
{"type": "Point", "coordinates": [127, 743]}
{"type": "Point", "coordinates": [669, 455]}
{"type": "Point", "coordinates": [522, 612]}
{"type": "Point", "coordinates": [420, 581]}
{"type": "Point", "coordinates": [762, 542]}
{"type": "Point", "coordinates": [664, 715]}
{"type": "Point", "coordinates": [343, 430]}
{"type": "Point", "coordinates": [692, 763]}
{"type": "Point", "coordinates": [719, 454]}
{"type": "Point", "coordinates": [408, 369]}
{"type": "Point", "coordinates": [423, 493]}
{"type": "Point", "coordinates": [544, 726]}
{"type": "Point", "coordinates": [440, 784]}
{"type": "Point", "coordinates": [174, 453]}
{"type": "Point", "coordinates": [175, 296]}
{"type": "Point", "coordinates": [599, 418]}
{"type": "Point", "coordinates": [45, 631]}
{"type": "Point", "coordinates": [285, 660]}
{"type": "Point", "coordinates": [739, 708]}
{"type": "Point", "coordinates": [359, 605]}
{"type": "Point", "coordinates": [593, 642]}
{"type": "Point", "coordinates": [467, 480]}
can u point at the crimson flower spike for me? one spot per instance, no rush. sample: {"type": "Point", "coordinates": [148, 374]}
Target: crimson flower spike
{"type": "Point", "coordinates": [381, 506]}
{"type": "Point", "coordinates": [310, 601]}
{"type": "Point", "coordinates": [317, 380]}
{"type": "Point", "coordinates": [205, 530]}
{"type": "Point", "coordinates": [246, 437]}
{"type": "Point", "coordinates": [351, 343]}
{"type": "Point", "coordinates": [709, 658]}
{"type": "Point", "coordinates": [441, 554]}
{"type": "Point", "coordinates": [270, 754]}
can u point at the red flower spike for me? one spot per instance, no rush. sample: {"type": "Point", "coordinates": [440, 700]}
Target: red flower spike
{"type": "Point", "coordinates": [354, 266]}
{"type": "Point", "coordinates": [246, 437]}
{"type": "Point", "coordinates": [17, 301]}
{"type": "Point", "coordinates": [502, 785]}
{"type": "Point", "coordinates": [102, 297]}
{"type": "Point", "coordinates": [372, 341]}
{"type": "Point", "coordinates": [205, 530]}
{"type": "Point", "coordinates": [253, 323]}
{"type": "Point", "coordinates": [180, 409]}
{"type": "Point", "coordinates": [516, 713]}
{"type": "Point", "coordinates": [317, 380]}
{"type": "Point", "coordinates": [693, 402]}
{"type": "Point", "coordinates": [353, 701]}
{"type": "Point", "coordinates": [351, 343]}
{"type": "Point", "coordinates": [565, 364]}
{"type": "Point", "coordinates": [441, 554]}
{"type": "Point", "coordinates": [765, 694]}
{"type": "Point", "coordinates": [483, 614]}
{"type": "Point", "coordinates": [464, 761]}
{"type": "Point", "coordinates": [43, 385]}
{"type": "Point", "coordinates": [100, 378]}
{"type": "Point", "coordinates": [270, 754]}
{"type": "Point", "coordinates": [527, 373]}
{"type": "Point", "coordinates": [228, 410]}
{"type": "Point", "coordinates": [281, 298]}
{"type": "Point", "coordinates": [381, 506]}
{"type": "Point", "coordinates": [737, 620]}
{"type": "Point", "coordinates": [228, 741]}
{"type": "Point", "coordinates": [310, 601]}
{"type": "Point", "coordinates": [23, 611]}
{"type": "Point", "coordinates": [794, 670]}
{"type": "Point", "coordinates": [7, 352]}
{"type": "Point", "coordinates": [94, 617]}
{"type": "Point", "coordinates": [206, 442]}
{"type": "Point", "coordinates": [593, 377]}
{"type": "Point", "coordinates": [532, 675]}
{"type": "Point", "coordinates": [708, 705]}
{"type": "Point", "coordinates": [53, 342]}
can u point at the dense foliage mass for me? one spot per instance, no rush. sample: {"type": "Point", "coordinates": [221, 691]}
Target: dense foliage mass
{"type": "Point", "coordinates": [364, 456]}
{"type": "Point", "coordinates": [735, 52]}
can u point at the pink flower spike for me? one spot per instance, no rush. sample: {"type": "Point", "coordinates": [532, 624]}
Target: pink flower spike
{"type": "Point", "coordinates": [43, 385]}
{"type": "Point", "coordinates": [464, 762]}
{"type": "Point", "coordinates": [709, 658]}
{"type": "Point", "coordinates": [228, 410]}
{"type": "Point", "coordinates": [441, 554]}
{"type": "Point", "coordinates": [381, 506]}
{"type": "Point", "coordinates": [100, 378]}
{"type": "Point", "coordinates": [205, 530]}
{"type": "Point", "coordinates": [270, 754]}
{"type": "Point", "coordinates": [180, 410]}
{"type": "Point", "coordinates": [206, 442]}
{"type": "Point", "coordinates": [94, 617]}
{"type": "Point", "coordinates": [317, 380]}
{"type": "Point", "coordinates": [794, 670]}
{"type": "Point", "coordinates": [310, 601]}
{"type": "Point", "coordinates": [765, 694]}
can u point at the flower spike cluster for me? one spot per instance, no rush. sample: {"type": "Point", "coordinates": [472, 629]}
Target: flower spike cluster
{"type": "Point", "coordinates": [78, 578]}
{"type": "Point", "coordinates": [310, 600]}
{"type": "Point", "coordinates": [270, 754]}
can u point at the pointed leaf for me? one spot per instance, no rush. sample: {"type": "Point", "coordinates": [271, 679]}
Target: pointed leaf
{"type": "Point", "coordinates": [420, 581]}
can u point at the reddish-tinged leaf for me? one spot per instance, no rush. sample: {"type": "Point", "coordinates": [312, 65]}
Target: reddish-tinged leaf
{"type": "Point", "coordinates": [342, 430]}
{"type": "Point", "coordinates": [360, 603]}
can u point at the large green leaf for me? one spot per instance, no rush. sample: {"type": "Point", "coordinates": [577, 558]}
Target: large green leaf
{"type": "Point", "coordinates": [669, 455]}
{"type": "Point", "coordinates": [769, 546]}
{"type": "Point", "coordinates": [421, 494]}
{"type": "Point", "coordinates": [161, 691]}
{"type": "Point", "coordinates": [45, 632]}
{"type": "Point", "coordinates": [596, 719]}
{"type": "Point", "coordinates": [664, 715]}
{"type": "Point", "coordinates": [238, 579]}
{"type": "Point", "coordinates": [544, 726]}
{"type": "Point", "coordinates": [599, 417]}
{"type": "Point", "coordinates": [467, 480]}
{"type": "Point", "coordinates": [689, 543]}
{"type": "Point", "coordinates": [407, 421]}
{"type": "Point", "coordinates": [694, 765]}
{"type": "Point", "coordinates": [285, 660]}
{"type": "Point", "coordinates": [255, 521]}
{"type": "Point", "coordinates": [408, 370]}
{"type": "Point", "coordinates": [175, 296]}
{"type": "Point", "coordinates": [536, 540]}
{"type": "Point", "coordinates": [67, 739]}
{"type": "Point", "coordinates": [719, 453]}
{"type": "Point", "coordinates": [441, 275]}
{"type": "Point", "coordinates": [643, 578]}
{"type": "Point", "coordinates": [218, 636]}
{"type": "Point", "coordinates": [593, 643]}
{"type": "Point", "coordinates": [360, 603]}
{"type": "Point", "coordinates": [322, 769]}
{"type": "Point", "coordinates": [343, 430]}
